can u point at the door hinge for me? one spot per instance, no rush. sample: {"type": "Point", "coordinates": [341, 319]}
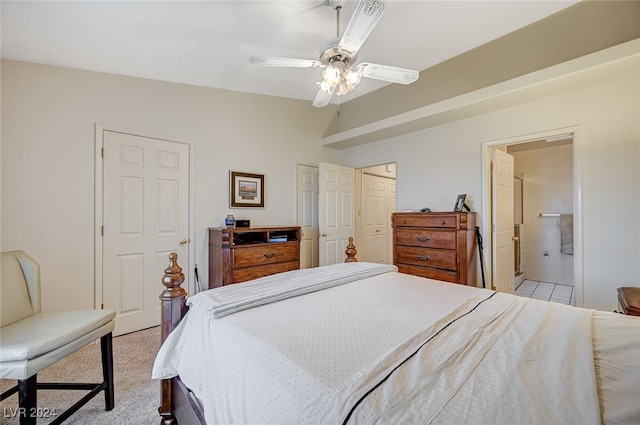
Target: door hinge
{"type": "Point", "coordinates": [101, 306]}
{"type": "Point", "coordinates": [101, 230]}
{"type": "Point", "coordinates": [102, 153]}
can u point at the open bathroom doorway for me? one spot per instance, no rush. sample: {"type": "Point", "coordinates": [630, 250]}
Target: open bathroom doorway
{"type": "Point", "coordinates": [546, 237]}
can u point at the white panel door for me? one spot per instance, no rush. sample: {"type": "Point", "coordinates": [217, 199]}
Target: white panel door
{"type": "Point", "coordinates": [391, 208]}
{"type": "Point", "coordinates": [502, 221]}
{"type": "Point", "coordinates": [375, 219]}
{"type": "Point", "coordinates": [336, 211]}
{"type": "Point", "coordinates": [145, 217]}
{"type": "Point", "coordinates": [307, 184]}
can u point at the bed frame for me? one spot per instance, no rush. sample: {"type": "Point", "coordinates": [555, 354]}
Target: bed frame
{"type": "Point", "coordinates": [178, 405]}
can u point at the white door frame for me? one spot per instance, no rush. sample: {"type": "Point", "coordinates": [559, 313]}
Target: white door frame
{"type": "Point", "coordinates": [578, 141]}
{"type": "Point", "coordinates": [99, 195]}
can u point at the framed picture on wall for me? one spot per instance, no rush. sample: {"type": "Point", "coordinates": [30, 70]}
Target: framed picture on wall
{"type": "Point", "coordinates": [460, 202]}
{"type": "Point", "coordinates": [246, 190]}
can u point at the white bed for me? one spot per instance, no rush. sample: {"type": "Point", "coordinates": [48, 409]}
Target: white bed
{"type": "Point", "coordinates": [368, 345]}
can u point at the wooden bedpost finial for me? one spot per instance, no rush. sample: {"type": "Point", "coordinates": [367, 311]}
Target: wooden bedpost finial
{"type": "Point", "coordinates": [172, 279]}
{"type": "Point", "coordinates": [351, 252]}
{"type": "Point", "coordinates": [173, 297]}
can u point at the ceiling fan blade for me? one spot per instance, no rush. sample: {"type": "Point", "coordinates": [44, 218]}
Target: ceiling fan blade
{"type": "Point", "coordinates": [283, 62]}
{"type": "Point", "coordinates": [322, 98]}
{"type": "Point", "coordinates": [364, 19]}
{"type": "Point", "coordinates": [391, 74]}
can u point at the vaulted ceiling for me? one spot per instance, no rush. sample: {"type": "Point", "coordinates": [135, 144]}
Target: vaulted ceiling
{"type": "Point", "coordinates": [206, 43]}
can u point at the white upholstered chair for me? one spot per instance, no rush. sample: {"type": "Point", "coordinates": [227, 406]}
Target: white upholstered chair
{"type": "Point", "coordinates": [31, 340]}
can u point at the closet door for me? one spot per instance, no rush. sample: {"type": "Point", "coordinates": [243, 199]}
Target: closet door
{"type": "Point", "coordinates": [336, 211]}
{"type": "Point", "coordinates": [378, 202]}
{"type": "Point", "coordinates": [145, 218]}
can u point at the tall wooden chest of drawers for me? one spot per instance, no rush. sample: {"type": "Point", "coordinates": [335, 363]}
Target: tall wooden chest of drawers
{"type": "Point", "coordinates": [438, 245]}
{"type": "Point", "coordinates": [245, 253]}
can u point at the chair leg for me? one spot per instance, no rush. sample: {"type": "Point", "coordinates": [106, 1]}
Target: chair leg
{"type": "Point", "coordinates": [28, 400]}
{"type": "Point", "coordinates": [106, 347]}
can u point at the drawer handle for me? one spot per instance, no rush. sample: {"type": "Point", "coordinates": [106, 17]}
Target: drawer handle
{"type": "Point", "coordinates": [443, 222]}
{"type": "Point", "coordinates": [423, 238]}
{"type": "Point", "coordinates": [404, 221]}
{"type": "Point", "coordinates": [423, 258]}
{"type": "Point", "coordinates": [273, 254]}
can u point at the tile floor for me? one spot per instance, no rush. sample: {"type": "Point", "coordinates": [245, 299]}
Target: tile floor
{"type": "Point", "coordinates": [546, 291]}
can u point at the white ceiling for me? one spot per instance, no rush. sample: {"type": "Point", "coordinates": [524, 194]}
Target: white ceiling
{"type": "Point", "coordinates": [206, 43]}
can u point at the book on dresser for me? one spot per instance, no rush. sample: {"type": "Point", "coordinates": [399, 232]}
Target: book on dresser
{"type": "Point", "coordinates": [438, 245]}
{"type": "Point", "coordinates": [240, 254]}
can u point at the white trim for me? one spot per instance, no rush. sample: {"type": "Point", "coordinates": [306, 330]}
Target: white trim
{"type": "Point", "coordinates": [578, 252]}
{"type": "Point", "coordinates": [97, 224]}
{"type": "Point", "coordinates": [578, 260]}
{"type": "Point", "coordinates": [99, 184]}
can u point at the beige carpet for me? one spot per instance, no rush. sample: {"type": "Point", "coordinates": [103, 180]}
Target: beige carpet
{"type": "Point", "coordinates": [137, 395]}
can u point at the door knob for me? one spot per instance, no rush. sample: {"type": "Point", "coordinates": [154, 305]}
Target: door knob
{"type": "Point", "coordinates": [323, 235]}
{"type": "Point", "coordinates": [183, 241]}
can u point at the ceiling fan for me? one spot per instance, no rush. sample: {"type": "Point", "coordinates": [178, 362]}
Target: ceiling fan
{"type": "Point", "coordinates": [338, 56]}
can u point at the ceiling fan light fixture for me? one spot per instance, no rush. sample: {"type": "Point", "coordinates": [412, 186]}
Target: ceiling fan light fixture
{"type": "Point", "coordinates": [343, 89]}
{"type": "Point", "coordinates": [352, 78]}
{"type": "Point", "coordinates": [332, 75]}
{"type": "Point", "coordinates": [325, 87]}
{"type": "Point", "coordinates": [340, 75]}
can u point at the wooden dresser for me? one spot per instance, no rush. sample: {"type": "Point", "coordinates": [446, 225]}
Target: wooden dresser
{"type": "Point", "coordinates": [245, 253]}
{"type": "Point", "coordinates": [629, 299]}
{"type": "Point", "coordinates": [438, 245]}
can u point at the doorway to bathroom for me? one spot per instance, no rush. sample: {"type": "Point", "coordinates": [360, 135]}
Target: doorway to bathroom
{"type": "Point", "coordinates": [542, 255]}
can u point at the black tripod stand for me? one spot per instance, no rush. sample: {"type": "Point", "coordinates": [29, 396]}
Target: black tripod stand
{"type": "Point", "coordinates": [480, 249]}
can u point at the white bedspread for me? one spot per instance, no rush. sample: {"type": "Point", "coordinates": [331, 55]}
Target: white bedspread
{"type": "Point", "coordinates": [508, 361]}
{"type": "Point", "coordinates": [233, 298]}
{"type": "Point", "coordinates": [488, 358]}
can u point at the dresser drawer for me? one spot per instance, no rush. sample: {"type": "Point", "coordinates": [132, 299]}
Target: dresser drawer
{"type": "Point", "coordinates": [430, 238]}
{"type": "Point", "coordinates": [249, 273]}
{"type": "Point", "coordinates": [427, 220]}
{"type": "Point", "coordinates": [438, 258]}
{"type": "Point", "coordinates": [438, 274]}
{"type": "Point", "coordinates": [264, 254]}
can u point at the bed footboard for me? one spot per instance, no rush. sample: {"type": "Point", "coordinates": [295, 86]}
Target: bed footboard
{"type": "Point", "coordinates": [176, 403]}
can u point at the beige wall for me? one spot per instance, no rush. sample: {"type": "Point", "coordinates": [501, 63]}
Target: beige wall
{"type": "Point", "coordinates": [436, 164]}
{"type": "Point", "coordinates": [47, 153]}
{"type": "Point", "coordinates": [48, 117]}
